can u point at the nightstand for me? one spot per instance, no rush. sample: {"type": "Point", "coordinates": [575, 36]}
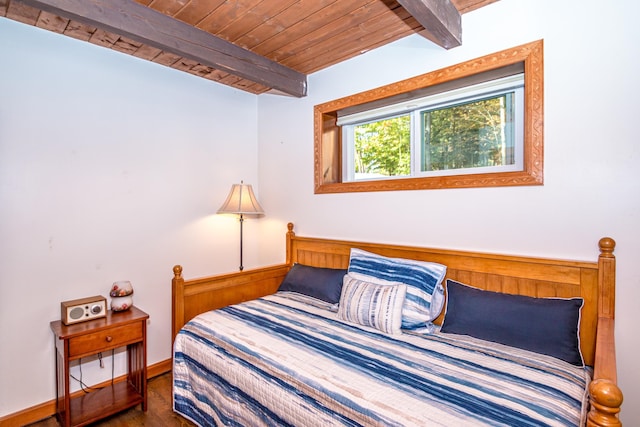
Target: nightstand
{"type": "Point", "coordinates": [72, 342]}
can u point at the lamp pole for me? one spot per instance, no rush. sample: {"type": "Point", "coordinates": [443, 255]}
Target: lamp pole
{"type": "Point", "coordinates": [241, 222]}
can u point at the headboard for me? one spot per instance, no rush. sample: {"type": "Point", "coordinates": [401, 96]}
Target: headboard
{"type": "Point", "coordinates": [537, 277]}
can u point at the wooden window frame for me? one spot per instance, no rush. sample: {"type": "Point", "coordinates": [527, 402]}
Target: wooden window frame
{"type": "Point", "coordinates": [328, 135]}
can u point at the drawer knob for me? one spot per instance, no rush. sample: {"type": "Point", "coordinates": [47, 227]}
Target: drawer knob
{"type": "Point", "coordinates": [109, 338]}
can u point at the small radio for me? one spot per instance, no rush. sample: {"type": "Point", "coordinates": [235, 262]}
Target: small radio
{"type": "Point", "coordinates": [82, 309]}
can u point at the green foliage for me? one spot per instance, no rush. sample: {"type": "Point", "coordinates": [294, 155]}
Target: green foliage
{"type": "Point", "coordinates": [384, 147]}
{"type": "Point", "coordinates": [468, 135]}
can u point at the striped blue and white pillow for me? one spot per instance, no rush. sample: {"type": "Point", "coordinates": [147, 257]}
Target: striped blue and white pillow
{"type": "Point", "coordinates": [374, 305]}
{"type": "Point", "coordinates": [425, 293]}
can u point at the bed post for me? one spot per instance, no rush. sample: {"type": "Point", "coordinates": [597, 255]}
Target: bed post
{"type": "Point", "coordinates": [290, 235]}
{"type": "Point", "coordinates": [177, 299]}
{"type": "Point", "coordinates": [607, 278]}
{"type": "Point", "coordinates": [605, 396]}
{"type": "Point", "coordinates": [605, 399]}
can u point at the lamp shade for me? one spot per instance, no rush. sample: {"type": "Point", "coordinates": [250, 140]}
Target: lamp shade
{"type": "Point", "coordinates": [241, 200]}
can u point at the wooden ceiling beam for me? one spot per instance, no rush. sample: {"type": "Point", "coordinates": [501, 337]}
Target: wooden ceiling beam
{"type": "Point", "coordinates": [145, 25]}
{"type": "Point", "coordinates": [440, 18]}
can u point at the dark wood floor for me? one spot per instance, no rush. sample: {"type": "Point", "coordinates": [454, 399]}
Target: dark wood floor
{"type": "Point", "coordinates": [159, 412]}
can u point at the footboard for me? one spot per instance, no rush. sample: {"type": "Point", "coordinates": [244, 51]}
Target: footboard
{"type": "Point", "coordinates": [200, 295]}
{"type": "Point", "coordinates": [209, 293]}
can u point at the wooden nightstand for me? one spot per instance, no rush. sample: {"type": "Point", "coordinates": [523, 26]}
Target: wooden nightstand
{"type": "Point", "coordinates": [117, 329]}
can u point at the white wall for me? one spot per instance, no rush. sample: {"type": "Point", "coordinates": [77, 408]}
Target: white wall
{"type": "Point", "coordinates": [111, 168]}
{"type": "Point", "coordinates": [592, 181]}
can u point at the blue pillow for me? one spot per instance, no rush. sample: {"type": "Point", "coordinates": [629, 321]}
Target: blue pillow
{"type": "Point", "coordinates": [425, 294]}
{"type": "Point", "coordinates": [544, 325]}
{"type": "Point", "coordinates": [322, 283]}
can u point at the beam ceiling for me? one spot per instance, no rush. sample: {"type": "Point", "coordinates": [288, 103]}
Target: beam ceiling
{"type": "Point", "coordinates": [260, 46]}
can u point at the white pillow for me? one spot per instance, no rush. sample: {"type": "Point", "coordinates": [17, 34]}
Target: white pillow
{"type": "Point", "coordinates": [374, 305]}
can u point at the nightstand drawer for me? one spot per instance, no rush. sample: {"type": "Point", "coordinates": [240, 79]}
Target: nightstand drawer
{"type": "Point", "coordinates": [106, 339]}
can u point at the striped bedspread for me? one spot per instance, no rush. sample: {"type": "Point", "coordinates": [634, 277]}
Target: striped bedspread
{"type": "Point", "coordinates": [279, 361]}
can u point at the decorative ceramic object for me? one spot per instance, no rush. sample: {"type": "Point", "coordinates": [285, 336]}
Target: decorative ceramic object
{"type": "Point", "coordinates": [121, 289]}
{"type": "Point", "coordinates": [121, 303]}
{"type": "Point", "coordinates": [121, 295]}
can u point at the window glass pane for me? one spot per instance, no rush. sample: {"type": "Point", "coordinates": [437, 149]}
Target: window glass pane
{"type": "Point", "coordinates": [382, 148]}
{"type": "Point", "coordinates": [470, 135]}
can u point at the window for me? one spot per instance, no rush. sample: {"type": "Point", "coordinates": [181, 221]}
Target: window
{"type": "Point", "coordinates": [469, 130]}
{"type": "Point", "coordinates": [471, 125]}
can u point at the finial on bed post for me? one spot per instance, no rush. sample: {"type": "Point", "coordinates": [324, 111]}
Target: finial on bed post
{"type": "Point", "coordinates": [606, 399]}
{"type": "Point", "coordinates": [177, 272]}
{"type": "Point", "coordinates": [607, 245]}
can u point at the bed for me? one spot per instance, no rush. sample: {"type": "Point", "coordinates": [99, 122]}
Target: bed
{"type": "Point", "coordinates": [249, 350]}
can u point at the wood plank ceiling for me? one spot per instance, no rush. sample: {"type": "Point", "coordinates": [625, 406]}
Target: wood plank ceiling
{"type": "Point", "coordinates": [259, 46]}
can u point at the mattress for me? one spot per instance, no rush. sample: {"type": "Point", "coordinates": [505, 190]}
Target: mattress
{"type": "Point", "coordinates": [286, 360]}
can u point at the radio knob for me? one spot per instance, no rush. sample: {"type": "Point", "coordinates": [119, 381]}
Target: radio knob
{"type": "Point", "coordinates": [96, 309]}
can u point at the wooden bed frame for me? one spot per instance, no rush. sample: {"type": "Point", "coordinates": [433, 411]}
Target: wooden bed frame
{"type": "Point", "coordinates": [538, 277]}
